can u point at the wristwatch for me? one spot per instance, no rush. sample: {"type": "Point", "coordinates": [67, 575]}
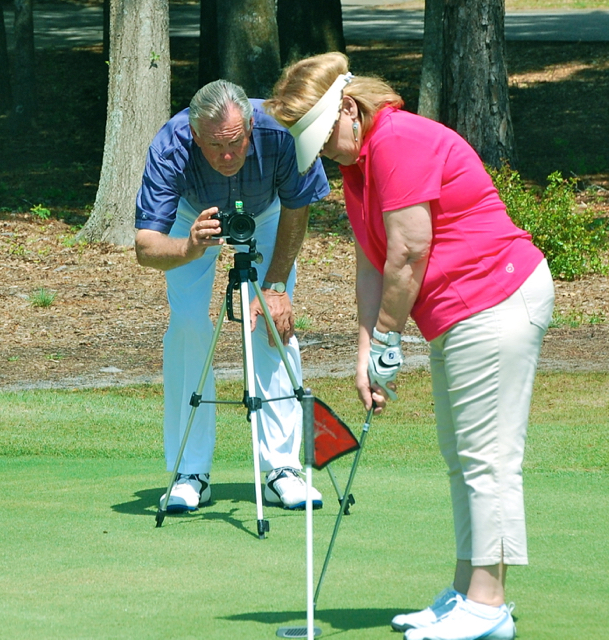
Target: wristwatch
{"type": "Point", "coordinates": [279, 287]}
{"type": "Point", "coordinates": [391, 338]}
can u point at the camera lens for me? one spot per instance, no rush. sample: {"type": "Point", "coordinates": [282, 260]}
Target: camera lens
{"type": "Point", "coordinates": [241, 227]}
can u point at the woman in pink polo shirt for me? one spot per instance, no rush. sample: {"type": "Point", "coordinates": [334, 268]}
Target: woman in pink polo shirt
{"type": "Point", "coordinates": [433, 241]}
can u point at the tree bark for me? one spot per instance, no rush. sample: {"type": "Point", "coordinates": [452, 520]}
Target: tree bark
{"type": "Point", "coordinates": [475, 93]}
{"type": "Point", "coordinates": [249, 45]}
{"type": "Point", "coordinates": [6, 93]}
{"type": "Point", "coordinates": [24, 86]}
{"type": "Point", "coordinates": [309, 27]}
{"type": "Point", "coordinates": [138, 105]}
{"type": "Point", "coordinates": [430, 91]}
{"type": "Point", "coordinates": [209, 62]}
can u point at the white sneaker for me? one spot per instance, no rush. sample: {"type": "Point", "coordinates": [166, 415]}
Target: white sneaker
{"type": "Point", "coordinates": [285, 486]}
{"type": "Point", "coordinates": [188, 492]}
{"type": "Point", "coordinates": [469, 621]}
{"type": "Point", "coordinates": [443, 604]}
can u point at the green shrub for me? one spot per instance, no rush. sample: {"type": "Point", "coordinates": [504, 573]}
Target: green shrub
{"type": "Point", "coordinates": [572, 238]}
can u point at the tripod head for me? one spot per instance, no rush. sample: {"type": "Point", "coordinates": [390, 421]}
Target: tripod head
{"type": "Point", "coordinates": [243, 271]}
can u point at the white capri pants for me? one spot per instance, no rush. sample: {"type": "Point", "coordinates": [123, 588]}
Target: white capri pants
{"type": "Point", "coordinates": [482, 371]}
{"type": "Point", "coordinates": [187, 342]}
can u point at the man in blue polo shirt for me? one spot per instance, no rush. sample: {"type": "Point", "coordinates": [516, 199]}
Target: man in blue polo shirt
{"type": "Point", "coordinates": [221, 150]}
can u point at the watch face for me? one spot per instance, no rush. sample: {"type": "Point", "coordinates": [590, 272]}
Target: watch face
{"type": "Point", "coordinates": [279, 287]}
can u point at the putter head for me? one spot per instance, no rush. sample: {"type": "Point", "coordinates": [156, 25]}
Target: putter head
{"type": "Point", "coordinates": [296, 632]}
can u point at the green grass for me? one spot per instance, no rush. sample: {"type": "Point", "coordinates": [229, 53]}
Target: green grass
{"type": "Point", "coordinates": [80, 557]}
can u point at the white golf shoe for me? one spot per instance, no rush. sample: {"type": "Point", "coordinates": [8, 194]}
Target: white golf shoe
{"type": "Point", "coordinates": [285, 486]}
{"type": "Point", "coordinates": [444, 603]}
{"type": "Point", "coordinates": [188, 492]}
{"type": "Point", "coordinates": [469, 621]}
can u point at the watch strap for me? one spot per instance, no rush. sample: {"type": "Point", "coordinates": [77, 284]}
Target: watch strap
{"type": "Point", "coordinates": [279, 287]}
{"type": "Point", "coordinates": [391, 338]}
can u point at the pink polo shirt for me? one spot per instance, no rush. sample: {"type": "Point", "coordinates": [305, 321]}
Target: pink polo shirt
{"type": "Point", "coordinates": [478, 257]}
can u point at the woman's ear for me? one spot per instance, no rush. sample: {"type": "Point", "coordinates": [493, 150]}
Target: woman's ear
{"type": "Point", "coordinates": [350, 106]}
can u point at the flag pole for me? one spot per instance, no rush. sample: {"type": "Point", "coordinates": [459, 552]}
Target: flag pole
{"type": "Point", "coordinates": [309, 450]}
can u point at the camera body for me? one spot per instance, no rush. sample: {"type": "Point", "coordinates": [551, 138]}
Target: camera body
{"type": "Point", "coordinates": [236, 226]}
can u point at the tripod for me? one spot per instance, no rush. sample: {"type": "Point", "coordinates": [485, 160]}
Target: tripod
{"type": "Point", "coordinates": [240, 276]}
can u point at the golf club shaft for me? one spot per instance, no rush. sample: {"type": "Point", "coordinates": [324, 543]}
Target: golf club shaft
{"type": "Point", "coordinates": [345, 501]}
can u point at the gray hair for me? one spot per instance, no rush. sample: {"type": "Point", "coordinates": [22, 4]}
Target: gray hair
{"type": "Point", "coordinates": [212, 102]}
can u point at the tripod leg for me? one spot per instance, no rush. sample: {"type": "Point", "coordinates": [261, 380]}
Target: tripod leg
{"type": "Point", "coordinates": [194, 402]}
{"type": "Point", "coordinates": [278, 342]}
{"type": "Point", "coordinates": [253, 403]}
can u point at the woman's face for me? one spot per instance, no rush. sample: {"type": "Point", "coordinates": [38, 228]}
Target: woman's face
{"type": "Point", "coordinates": [344, 144]}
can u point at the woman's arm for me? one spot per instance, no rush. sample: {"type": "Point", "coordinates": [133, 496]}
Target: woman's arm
{"type": "Point", "coordinates": [385, 301]}
{"type": "Point", "coordinates": [409, 235]}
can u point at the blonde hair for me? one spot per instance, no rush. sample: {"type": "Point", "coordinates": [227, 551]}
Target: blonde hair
{"type": "Point", "coordinates": [303, 83]}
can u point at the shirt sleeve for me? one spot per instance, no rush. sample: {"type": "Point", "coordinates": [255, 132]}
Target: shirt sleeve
{"type": "Point", "coordinates": [158, 197]}
{"type": "Point", "coordinates": [405, 167]}
{"type": "Point", "coordinates": [294, 190]}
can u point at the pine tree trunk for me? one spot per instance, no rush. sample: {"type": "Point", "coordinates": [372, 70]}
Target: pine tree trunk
{"type": "Point", "coordinates": [475, 93]}
{"type": "Point", "coordinates": [6, 93]}
{"type": "Point", "coordinates": [138, 105]}
{"type": "Point", "coordinates": [24, 87]}
{"type": "Point", "coordinates": [309, 27]}
{"type": "Point", "coordinates": [209, 63]}
{"type": "Point", "coordinates": [249, 45]}
{"type": "Point", "coordinates": [430, 91]}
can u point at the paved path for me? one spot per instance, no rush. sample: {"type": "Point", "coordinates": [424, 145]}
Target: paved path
{"type": "Point", "coordinates": [71, 25]}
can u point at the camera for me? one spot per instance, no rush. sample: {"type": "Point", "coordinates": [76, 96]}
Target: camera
{"type": "Point", "coordinates": [236, 226]}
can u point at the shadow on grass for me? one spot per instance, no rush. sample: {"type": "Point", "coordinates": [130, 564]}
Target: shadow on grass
{"type": "Point", "coordinates": [147, 500]}
{"type": "Point", "coordinates": [146, 503]}
{"type": "Point", "coordinates": [339, 619]}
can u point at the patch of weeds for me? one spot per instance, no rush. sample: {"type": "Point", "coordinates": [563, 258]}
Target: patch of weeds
{"type": "Point", "coordinates": [55, 357]}
{"type": "Point", "coordinates": [40, 212]}
{"type": "Point", "coordinates": [574, 319]}
{"type": "Point", "coordinates": [42, 298]}
{"type": "Point", "coordinates": [13, 358]}
{"type": "Point", "coordinates": [303, 323]}
{"type": "Point", "coordinates": [17, 249]}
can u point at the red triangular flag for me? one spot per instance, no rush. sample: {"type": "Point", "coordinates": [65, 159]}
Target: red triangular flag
{"type": "Point", "coordinates": [333, 438]}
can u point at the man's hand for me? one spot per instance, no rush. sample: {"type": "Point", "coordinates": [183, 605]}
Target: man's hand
{"type": "Point", "coordinates": [280, 308]}
{"type": "Point", "coordinates": [203, 234]}
{"type": "Point", "coordinates": [159, 251]}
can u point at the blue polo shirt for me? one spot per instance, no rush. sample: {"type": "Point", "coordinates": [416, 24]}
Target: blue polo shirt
{"type": "Point", "coordinates": [176, 168]}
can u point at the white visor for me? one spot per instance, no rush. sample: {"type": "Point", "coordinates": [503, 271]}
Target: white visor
{"type": "Point", "coordinates": [312, 131]}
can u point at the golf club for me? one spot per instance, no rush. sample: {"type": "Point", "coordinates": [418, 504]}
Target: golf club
{"type": "Point", "coordinates": [344, 507]}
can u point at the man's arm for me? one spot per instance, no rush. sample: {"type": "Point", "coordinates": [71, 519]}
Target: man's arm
{"type": "Point", "coordinates": [158, 250]}
{"type": "Point", "coordinates": [291, 231]}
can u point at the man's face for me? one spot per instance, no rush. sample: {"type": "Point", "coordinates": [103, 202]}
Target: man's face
{"type": "Point", "coordinates": [224, 144]}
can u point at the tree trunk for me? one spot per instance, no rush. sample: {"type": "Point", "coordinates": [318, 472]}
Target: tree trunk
{"type": "Point", "coordinates": [430, 91]}
{"type": "Point", "coordinates": [24, 88]}
{"type": "Point", "coordinates": [475, 94]}
{"type": "Point", "coordinates": [249, 46]}
{"type": "Point", "coordinates": [209, 63]}
{"type": "Point", "coordinates": [6, 93]}
{"type": "Point", "coordinates": [138, 105]}
{"type": "Point", "coordinates": [309, 27]}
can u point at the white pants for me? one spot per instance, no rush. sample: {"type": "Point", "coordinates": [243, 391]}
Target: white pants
{"type": "Point", "coordinates": [483, 370]}
{"type": "Point", "coordinates": [187, 342]}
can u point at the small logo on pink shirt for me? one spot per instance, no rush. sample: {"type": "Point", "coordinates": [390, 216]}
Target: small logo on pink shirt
{"type": "Point", "coordinates": [510, 268]}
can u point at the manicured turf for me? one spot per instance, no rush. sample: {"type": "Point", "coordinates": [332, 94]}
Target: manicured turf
{"type": "Point", "coordinates": [81, 557]}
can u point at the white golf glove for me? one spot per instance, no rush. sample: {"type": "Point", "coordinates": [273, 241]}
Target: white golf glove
{"type": "Point", "coordinates": [384, 362]}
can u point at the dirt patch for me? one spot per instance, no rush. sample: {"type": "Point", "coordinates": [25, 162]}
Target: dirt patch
{"type": "Point", "coordinates": [108, 315]}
